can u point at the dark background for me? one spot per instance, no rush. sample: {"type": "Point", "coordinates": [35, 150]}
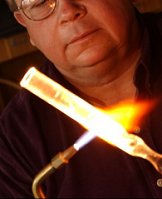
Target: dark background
{"type": "Point", "coordinates": [13, 69]}
{"type": "Point", "coordinates": [8, 24]}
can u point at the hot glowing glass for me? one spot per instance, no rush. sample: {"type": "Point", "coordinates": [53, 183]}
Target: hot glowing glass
{"type": "Point", "coordinates": [97, 122]}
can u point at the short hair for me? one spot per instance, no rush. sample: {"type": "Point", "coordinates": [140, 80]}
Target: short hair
{"type": "Point", "coordinates": [12, 5]}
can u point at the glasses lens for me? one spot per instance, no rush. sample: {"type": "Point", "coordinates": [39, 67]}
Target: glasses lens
{"type": "Point", "coordinates": [38, 9]}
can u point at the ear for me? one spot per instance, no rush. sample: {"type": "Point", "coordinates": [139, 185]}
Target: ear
{"type": "Point", "coordinates": [19, 18]}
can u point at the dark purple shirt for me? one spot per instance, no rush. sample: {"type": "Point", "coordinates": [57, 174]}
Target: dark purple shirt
{"type": "Point", "coordinates": [32, 132]}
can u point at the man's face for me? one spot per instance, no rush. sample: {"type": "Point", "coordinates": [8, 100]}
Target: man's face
{"type": "Point", "coordinates": [84, 37]}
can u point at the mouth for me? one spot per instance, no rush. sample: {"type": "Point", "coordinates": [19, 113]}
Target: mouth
{"type": "Point", "coordinates": [82, 37]}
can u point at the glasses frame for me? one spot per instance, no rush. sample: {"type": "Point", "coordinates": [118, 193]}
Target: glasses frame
{"type": "Point", "coordinates": [20, 8]}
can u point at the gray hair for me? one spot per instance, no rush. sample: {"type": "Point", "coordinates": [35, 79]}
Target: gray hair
{"type": "Point", "coordinates": [12, 5]}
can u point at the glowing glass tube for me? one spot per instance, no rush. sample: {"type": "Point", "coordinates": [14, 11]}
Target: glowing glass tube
{"type": "Point", "coordinates": [88, 116]}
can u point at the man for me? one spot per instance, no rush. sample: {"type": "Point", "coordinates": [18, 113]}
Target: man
{"type": "Point", "coordinates": [105, 52]}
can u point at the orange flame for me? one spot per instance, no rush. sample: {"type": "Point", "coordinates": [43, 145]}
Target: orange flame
{"type": "Point", "coordinates": [130, 114]}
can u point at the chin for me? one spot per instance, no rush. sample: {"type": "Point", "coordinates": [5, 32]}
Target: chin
{"type": "Point", "coordinates": [91, 58]}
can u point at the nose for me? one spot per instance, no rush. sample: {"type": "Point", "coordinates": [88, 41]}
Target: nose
{"type": "Point", "coordinates": [70, 10]}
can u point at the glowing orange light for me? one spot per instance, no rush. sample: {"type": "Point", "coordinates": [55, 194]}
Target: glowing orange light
{"type": "Point", "coordinates": [130, 114]}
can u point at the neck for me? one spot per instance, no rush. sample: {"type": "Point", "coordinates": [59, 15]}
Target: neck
{"type": "Point", "coordinates": [111, 93]}
{"type": "Point", "coordinates": [118, 89]}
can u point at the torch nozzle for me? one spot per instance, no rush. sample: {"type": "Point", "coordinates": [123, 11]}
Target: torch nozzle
{"type": "Point", "coordinates": [63, 157]}
{"type": "Point", "coordinates": [56, 162]}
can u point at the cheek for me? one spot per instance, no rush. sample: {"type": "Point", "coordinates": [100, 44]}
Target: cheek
{"type": "Point", "coordinates": [51, 46]}
{"type": "Point", "coordinates": [115, 28]}
{"type": "Point", "coordinates": [55, 52]}
{"type": "Point", "coordinates": [115, 18]}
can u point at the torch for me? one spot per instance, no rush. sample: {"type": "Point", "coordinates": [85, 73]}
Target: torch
{"type": "Point", "coordinates": [96, 121]}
